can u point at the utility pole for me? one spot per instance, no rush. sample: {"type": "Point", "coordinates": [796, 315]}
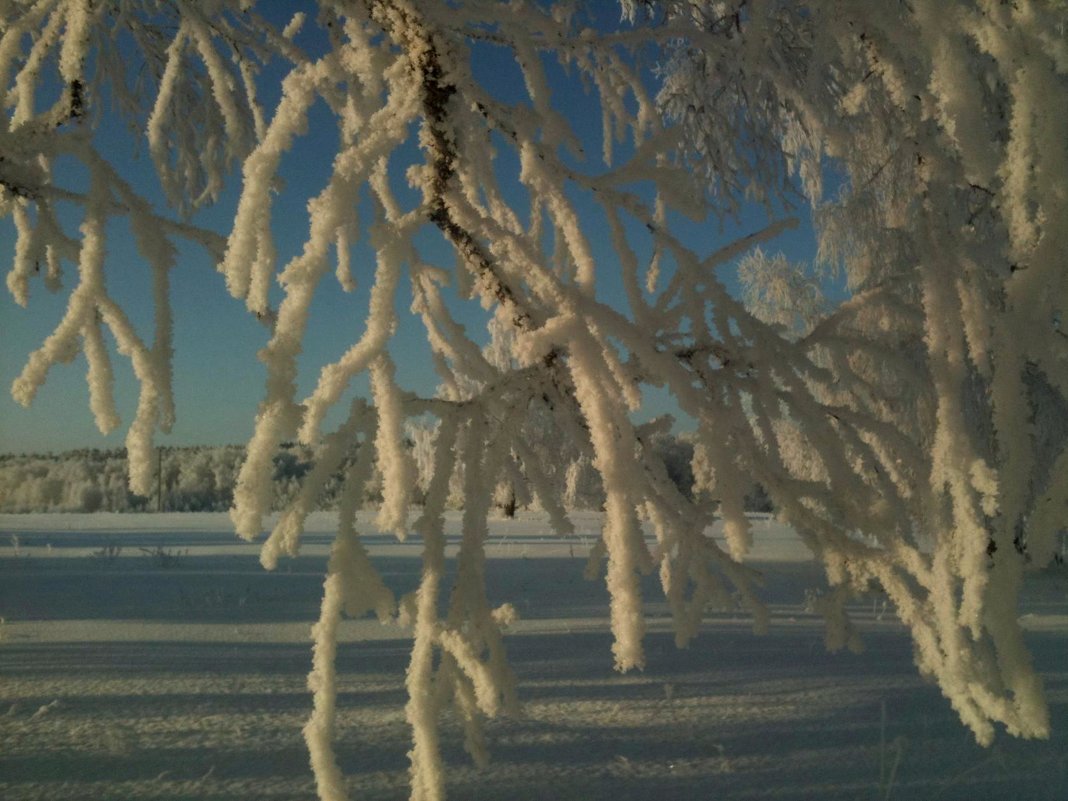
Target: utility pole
{"type": "Point", "coordinates": [159, 479]}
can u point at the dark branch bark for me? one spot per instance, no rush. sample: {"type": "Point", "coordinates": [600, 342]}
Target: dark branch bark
{"type": "Point", "coordinates": [410, 34]}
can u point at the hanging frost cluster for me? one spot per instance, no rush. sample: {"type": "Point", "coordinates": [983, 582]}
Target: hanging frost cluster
{"type": "Point", "coordinates": [912, 434]}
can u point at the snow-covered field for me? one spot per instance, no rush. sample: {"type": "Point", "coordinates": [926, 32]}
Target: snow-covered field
{"type": "Point", "coordinates": [151, 657]}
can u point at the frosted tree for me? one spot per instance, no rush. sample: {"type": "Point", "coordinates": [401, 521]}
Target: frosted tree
{"type": "Point", "coordinates": [924, 413]}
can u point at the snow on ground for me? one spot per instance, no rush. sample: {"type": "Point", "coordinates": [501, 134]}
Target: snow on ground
{"type": "Point", "coordinates": [151, 657]}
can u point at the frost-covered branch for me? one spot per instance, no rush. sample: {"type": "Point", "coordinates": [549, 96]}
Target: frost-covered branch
{"type": "Point", "coordinates": [911, 431]}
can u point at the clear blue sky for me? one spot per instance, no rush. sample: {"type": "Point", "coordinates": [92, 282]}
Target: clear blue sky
{"type": "Point", "coordinates": [218, 380]}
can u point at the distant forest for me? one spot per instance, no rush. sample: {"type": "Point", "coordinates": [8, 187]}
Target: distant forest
{"type": "Point", "coordinates": [202, 478]}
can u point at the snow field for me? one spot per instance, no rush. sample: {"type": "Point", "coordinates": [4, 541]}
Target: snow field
{"type": "Point", "coordinates": [128, 676]}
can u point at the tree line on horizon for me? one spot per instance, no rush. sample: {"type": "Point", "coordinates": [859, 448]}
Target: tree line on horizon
{"type": "Point", "coordinates": [200, 478]}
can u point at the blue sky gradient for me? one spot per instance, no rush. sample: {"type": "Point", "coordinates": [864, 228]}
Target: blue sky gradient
{"type": "Point", "coordinates": [217, 377]}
